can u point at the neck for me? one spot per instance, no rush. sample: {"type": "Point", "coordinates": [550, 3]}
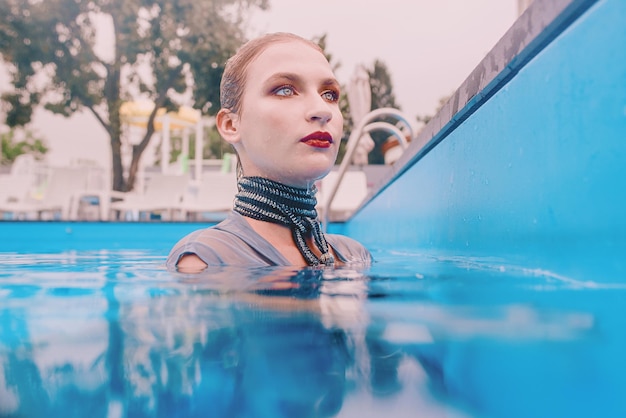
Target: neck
{"type": "Point", "coordinates": [269, 201]}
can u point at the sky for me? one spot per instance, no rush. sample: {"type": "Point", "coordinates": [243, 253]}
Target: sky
{"type": "Point", "coordinates": [429, 47]}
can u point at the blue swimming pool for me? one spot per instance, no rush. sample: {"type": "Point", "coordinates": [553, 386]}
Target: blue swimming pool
{"type": "Point", "coordinates": [91, 324]}
{"type": "Point", "coordinates": [499, 287]}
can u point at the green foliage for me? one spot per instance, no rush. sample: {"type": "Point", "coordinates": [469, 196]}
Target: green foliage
{"type": "Point", "coordinates": [382, 96]}
{"type": "Point", "coordinates": [382, 86]}
{"type": "Point", "coordinates": [12, 146]}
{"type": "Point", "coordinates": [159, 49]}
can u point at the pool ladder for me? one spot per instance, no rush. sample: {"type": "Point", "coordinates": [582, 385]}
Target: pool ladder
{"type": "Point", "coordinates": [368, 124]}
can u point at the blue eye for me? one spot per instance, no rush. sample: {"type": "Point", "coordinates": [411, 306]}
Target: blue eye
{"type": "Point", "coordinates": [330, 95]}
{"type": "Point", "coordinates": [285, 91]}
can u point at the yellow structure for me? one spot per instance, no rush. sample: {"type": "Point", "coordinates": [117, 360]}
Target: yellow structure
{"type": "Point", "coordinates": [137, 113]}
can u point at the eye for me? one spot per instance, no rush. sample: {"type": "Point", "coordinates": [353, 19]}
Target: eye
{"type": "Point", "coordinates": [331, 96]}
{"type": "Point", "coordinates": [285, 91]}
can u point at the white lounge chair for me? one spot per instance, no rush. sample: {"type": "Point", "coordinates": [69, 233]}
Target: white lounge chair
{"type": "Point", "coordinates": [350, 194]}
{"type": "Point", "coordinates": [25, 164]}
{"type": "Point", "coordinates": [18, 184]}
{"type": "Point", "coordinates": [212, 198]}
{"type": "Point", "coordinates": [163, 194]}
{"type": "Point", "coordinates": [93, 203]}
{"type": "Point", "coordinates": [14, 190]}
{"type": "Point", "coordinates": [52, 199]}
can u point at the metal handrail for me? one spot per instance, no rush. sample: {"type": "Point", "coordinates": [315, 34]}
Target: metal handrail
{"type": "Point", "coordinates": [366, 125]}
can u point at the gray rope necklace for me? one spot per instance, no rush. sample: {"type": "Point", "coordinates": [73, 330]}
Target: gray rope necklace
{"type": "Point", "coordinates": [267, 200]}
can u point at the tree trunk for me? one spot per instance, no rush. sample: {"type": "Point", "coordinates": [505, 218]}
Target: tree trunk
{"type": "Point", "coordinates": [112, 93]}
{"type": "Point", "coordinates": [134, 166]}
{"type": "Point", "coordinates": [115, 133]}
{"type": "Point", "coordinates": [141, 147]}
{"type": "Point", "coordinates": [118, 169]}
{"type": "Point", "coordinates": [138, 151]}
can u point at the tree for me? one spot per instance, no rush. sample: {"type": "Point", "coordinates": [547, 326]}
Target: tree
{"type": "Point", "coordinates": [12, 145]}
{"type": "Point", "coordinates": [162, 50]}
{"type": "Point", "coordinates": [382, 96]}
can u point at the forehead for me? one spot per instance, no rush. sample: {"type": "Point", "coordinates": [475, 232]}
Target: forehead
{"type": "Point", "coordinates": [289, 56]}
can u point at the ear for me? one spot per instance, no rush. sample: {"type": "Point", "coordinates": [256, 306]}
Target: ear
{"type": "Point", "coordinates": [227, 124]}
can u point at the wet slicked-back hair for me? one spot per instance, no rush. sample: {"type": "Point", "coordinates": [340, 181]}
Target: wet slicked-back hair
{"type": "Point", "coordinates": [234, 78]}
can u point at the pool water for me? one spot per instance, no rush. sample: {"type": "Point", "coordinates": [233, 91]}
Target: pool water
{"type": "Point", "coordinates": [88, 332]}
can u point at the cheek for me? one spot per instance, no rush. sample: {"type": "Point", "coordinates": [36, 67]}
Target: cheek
{"type": "Point", "coordinates": [338, 125]}
{"type": "Point", "coordinates": [266, 142]}
{"type": "Point", "coordinates": [269, 121]}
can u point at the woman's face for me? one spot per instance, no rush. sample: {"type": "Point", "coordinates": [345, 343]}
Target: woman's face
{"type": "Point", "coordinates": [289, 125]}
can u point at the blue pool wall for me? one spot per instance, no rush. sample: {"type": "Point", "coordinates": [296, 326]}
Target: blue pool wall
{"type": "Point", "coordinates": [534, 159]}
{"type": "Point", "coordinates": [24, 237]}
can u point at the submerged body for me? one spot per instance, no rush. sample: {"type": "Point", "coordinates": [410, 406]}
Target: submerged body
{"type": "Point", "coordinates": [234, 242]}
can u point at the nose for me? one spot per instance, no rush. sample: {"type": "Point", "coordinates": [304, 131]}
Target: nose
{"type": "Point", "coordinates": [319, 111]}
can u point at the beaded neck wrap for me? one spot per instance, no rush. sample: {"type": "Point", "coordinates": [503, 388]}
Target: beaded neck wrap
{"type": "Point", "coordinates": [267, 200]}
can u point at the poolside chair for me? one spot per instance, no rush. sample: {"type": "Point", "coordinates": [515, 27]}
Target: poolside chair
{"type": "Point", "coordinates": [50, 200]}
{"type": "Point", "coordinates": [17, 186]}
{"type": "Point", "coordinates": [14, 189]}
{"type": "Point", "coordinates": [212, 198]}
{"type": "Point", "coordinates": [93, 203]}
{"type": "Point", "coordinates": [25, 164]}
{"type": "Point", "coordinates": [162, 196]}
{"type": "Point", "coordinates": [350, 194]}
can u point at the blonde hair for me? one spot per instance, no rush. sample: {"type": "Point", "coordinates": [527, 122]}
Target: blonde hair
{"type": "Point", "coordinates": [233, 81]}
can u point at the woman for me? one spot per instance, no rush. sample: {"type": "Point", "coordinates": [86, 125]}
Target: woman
{"type": "Point", "coordinates": [280, 111]}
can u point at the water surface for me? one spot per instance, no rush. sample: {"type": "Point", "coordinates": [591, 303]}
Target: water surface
{"type": "Point", "coordinates": [111, 333]}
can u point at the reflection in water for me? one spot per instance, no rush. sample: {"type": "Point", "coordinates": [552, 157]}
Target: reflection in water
{"type": "Point", "coordinates": [100, 335]}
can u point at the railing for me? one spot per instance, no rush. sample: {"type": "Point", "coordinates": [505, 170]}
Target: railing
{"type": "Point", "coordinates": [368, 124]}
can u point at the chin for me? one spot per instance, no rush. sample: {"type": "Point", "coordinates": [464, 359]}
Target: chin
{"type": "Point", "coordinates": [321, 173]}
{"type": "Point", "coordinates": [321, 168]}
{"type": "Point", "coordinates": [304, 180]}
{"type": "Point", "coordinates": [307, 172]}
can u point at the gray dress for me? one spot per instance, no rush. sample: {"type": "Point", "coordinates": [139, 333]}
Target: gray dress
{"type": "Point", "coordinates": [233, 242]}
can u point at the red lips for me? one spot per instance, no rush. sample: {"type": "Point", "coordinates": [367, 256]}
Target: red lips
{"type": "Point", "coordinates": [318, 139]}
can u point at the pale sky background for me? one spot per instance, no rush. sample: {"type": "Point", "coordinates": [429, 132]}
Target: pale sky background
{"type": "Point", "coordinates": [430, 48]}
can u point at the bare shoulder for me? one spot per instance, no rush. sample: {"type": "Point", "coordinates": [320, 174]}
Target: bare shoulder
{"type": "Point", "coordinates": [190, 263]}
